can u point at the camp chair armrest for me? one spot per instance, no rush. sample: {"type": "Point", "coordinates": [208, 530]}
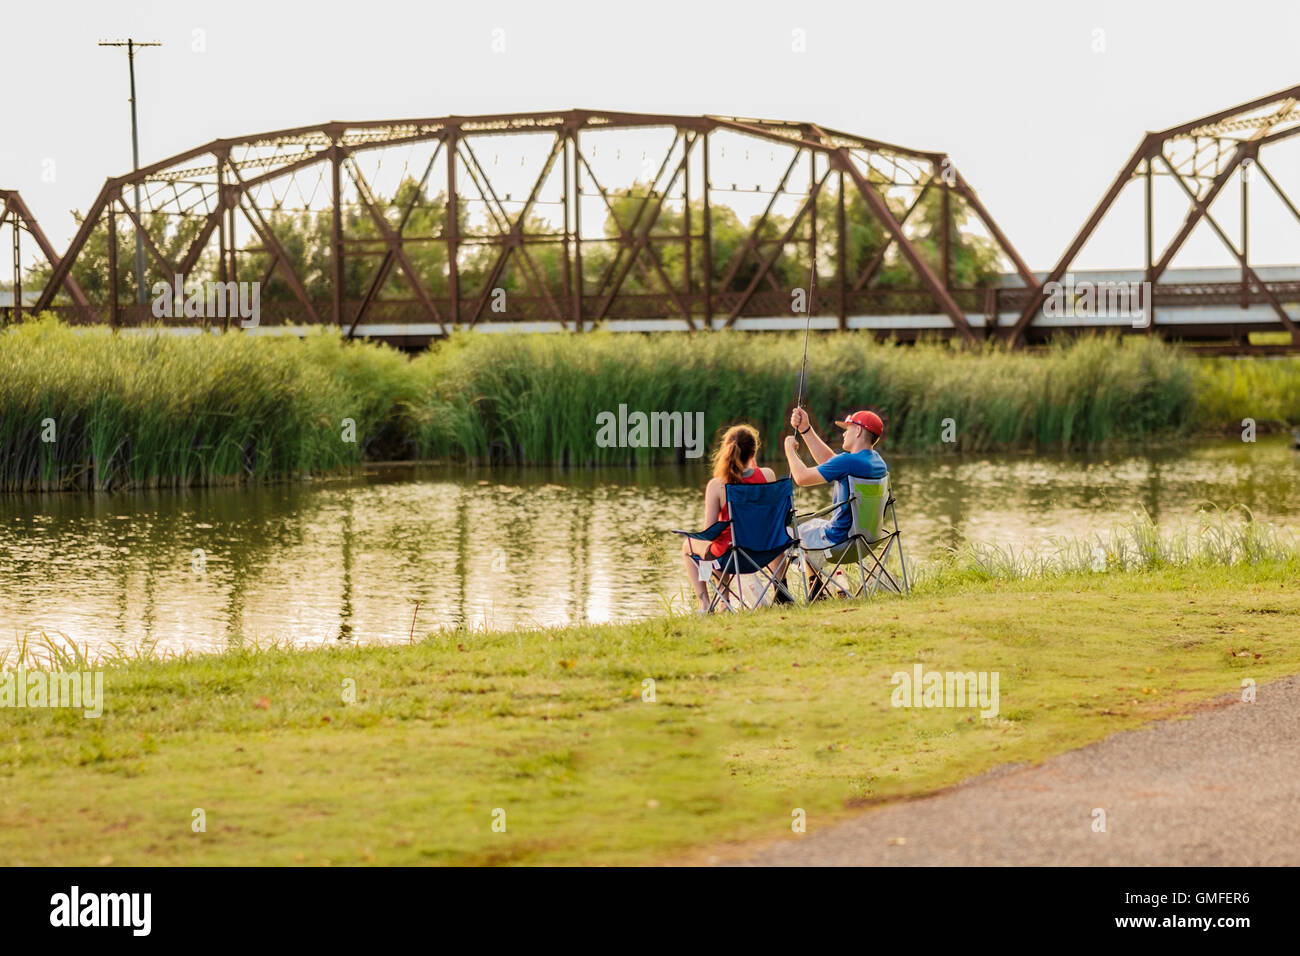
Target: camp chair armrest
{"type": "Point", "coordinates": [824, 511]}
{"type": "Point", "coordinates": [708, 534]}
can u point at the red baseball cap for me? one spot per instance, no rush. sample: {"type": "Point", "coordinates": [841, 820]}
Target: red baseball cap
{"type": "Point", "coordinates": [868, 420]}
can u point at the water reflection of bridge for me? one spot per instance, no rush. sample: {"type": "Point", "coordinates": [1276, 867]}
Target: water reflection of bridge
{"type": "Point", "coordinates": [405, 230]}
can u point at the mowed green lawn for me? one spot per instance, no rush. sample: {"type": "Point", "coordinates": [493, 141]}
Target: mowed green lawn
{"type": "Point", "coordinates": [754, 716]}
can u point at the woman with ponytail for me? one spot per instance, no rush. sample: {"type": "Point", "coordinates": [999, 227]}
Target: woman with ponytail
{"type": "Point", "coordinates": [735, 462]}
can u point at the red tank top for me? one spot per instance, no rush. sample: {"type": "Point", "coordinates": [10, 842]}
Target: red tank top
{"type": "Point", "coordinates": [723, 540]}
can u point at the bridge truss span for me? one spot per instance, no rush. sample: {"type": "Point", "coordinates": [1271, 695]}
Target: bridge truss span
{"type": "Point", "coordinates": [572, 217]}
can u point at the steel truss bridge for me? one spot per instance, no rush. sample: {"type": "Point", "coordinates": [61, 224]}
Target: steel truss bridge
{"type": "Point", "coordinates": [568, 220]}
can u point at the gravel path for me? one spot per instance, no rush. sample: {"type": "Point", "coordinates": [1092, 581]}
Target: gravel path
{"type": "Point", "coordinates": [1219, 789]}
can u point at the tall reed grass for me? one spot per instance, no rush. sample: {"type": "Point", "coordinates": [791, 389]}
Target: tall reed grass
{"type": "Point", "coordinates": [82, 408]}
{"type": "Point", "coordinates": [536, 398]}
{"type": "Point", "coordinates": [150, 409]}
{"type": "Point", "coordinates": [1264, 389]}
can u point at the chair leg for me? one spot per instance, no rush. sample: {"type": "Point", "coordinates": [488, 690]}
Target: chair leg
{"type": "Point", "coordinates": [721, 581]}
{"type": "Point", "coordinates": [717, 593]}
{"type": "Point", "coordinates": [783, 594]}
{"type": "Point", "coordinates": [902, 563]}
{"type": "Point", "coordinates": [722, 592]}
{"type": "Point", "coordinates": [885, 577]}
{"type": "Point", "coordinates": [849, 590]}
{"type": "Point", "coordinates": [802, 563]}
{"type": "Point", "coordinates": [807, 575]}
{"type": "Point", "coordinates": [862, 569]}
{"type": "Point", "coordinates": [826, 580]}
{"type": "Point", "coordinates": [727, 584]}
{"type": "Point", "coordinates": [772, 584]}
{"type": "Point", "coordinates": [872, 579]}
{"type": "Point", "coordinates": [769, 580]}
{"type": "Point", "coordinates": [839, 565]}
{"type": "Point", "coordinates": [814, 581]}
{"type": "Point", "coordinates": [879, 572]}
{"type": "Point", "coordinates": [735, 594]}
{"type": "Point", "coordinates": [739, 604]}
{"type": "Point", "coordinates": [907, 588]}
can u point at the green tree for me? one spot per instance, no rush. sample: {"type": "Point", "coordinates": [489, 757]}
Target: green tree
{"type": "Point", "coordinates": [172, 235]}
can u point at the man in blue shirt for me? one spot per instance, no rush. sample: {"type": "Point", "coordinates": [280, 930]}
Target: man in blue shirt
{"type": "Point", "coordinates": [858, 460]}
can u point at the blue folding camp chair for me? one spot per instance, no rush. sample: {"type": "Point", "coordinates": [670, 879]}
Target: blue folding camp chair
{"type": "Point", "coordinates": [873, 537]}
{"type": "Point", "coordinates": [760, 517]}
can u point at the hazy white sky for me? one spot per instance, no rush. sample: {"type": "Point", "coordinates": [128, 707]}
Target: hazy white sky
{"type": "Point", "coordinates": [1036, 119]}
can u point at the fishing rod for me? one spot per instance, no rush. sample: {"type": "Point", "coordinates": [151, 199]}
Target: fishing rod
{"type": "Point", "coordinates": [808, 307]}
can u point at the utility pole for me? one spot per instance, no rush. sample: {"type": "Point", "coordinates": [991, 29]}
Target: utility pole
{"type": "Point", "coordinates": [131, 46]}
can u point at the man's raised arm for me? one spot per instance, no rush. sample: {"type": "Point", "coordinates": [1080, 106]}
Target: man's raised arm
{"type": "Point", "coordinates": [801, 473]}
{"type": "Point", "coordinates": [818, 448]}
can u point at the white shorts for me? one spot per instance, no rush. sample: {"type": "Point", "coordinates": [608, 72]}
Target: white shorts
{"type": "Point", "coordinates": [814, 532]}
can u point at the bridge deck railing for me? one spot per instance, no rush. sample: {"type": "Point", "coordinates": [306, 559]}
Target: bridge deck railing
{"type": "Point", "coordinates": [692, 310]}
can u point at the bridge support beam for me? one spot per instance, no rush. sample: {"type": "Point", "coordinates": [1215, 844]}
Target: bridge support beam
{"type": "Point", "coordinates": [1237, 133]}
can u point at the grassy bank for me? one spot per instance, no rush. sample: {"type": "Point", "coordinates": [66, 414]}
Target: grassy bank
{"type": "Point", "coordinates": [752, 718]}
{"type": "Point", "coordinates": [88, 409]}
{"type": "Point", "coordinates": [1212, 539]}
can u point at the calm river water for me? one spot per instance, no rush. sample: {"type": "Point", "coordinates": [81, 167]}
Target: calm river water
{"type": "Point", "coordinates": [348, 560]}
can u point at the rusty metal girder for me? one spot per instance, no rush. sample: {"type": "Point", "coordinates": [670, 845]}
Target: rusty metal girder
{"type": "Point", "coordinates": [19, 217]}
{"type": "Point", "coordinates": [221, 182]}
{"type": "Point", "coordinates": [1219, 145]}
